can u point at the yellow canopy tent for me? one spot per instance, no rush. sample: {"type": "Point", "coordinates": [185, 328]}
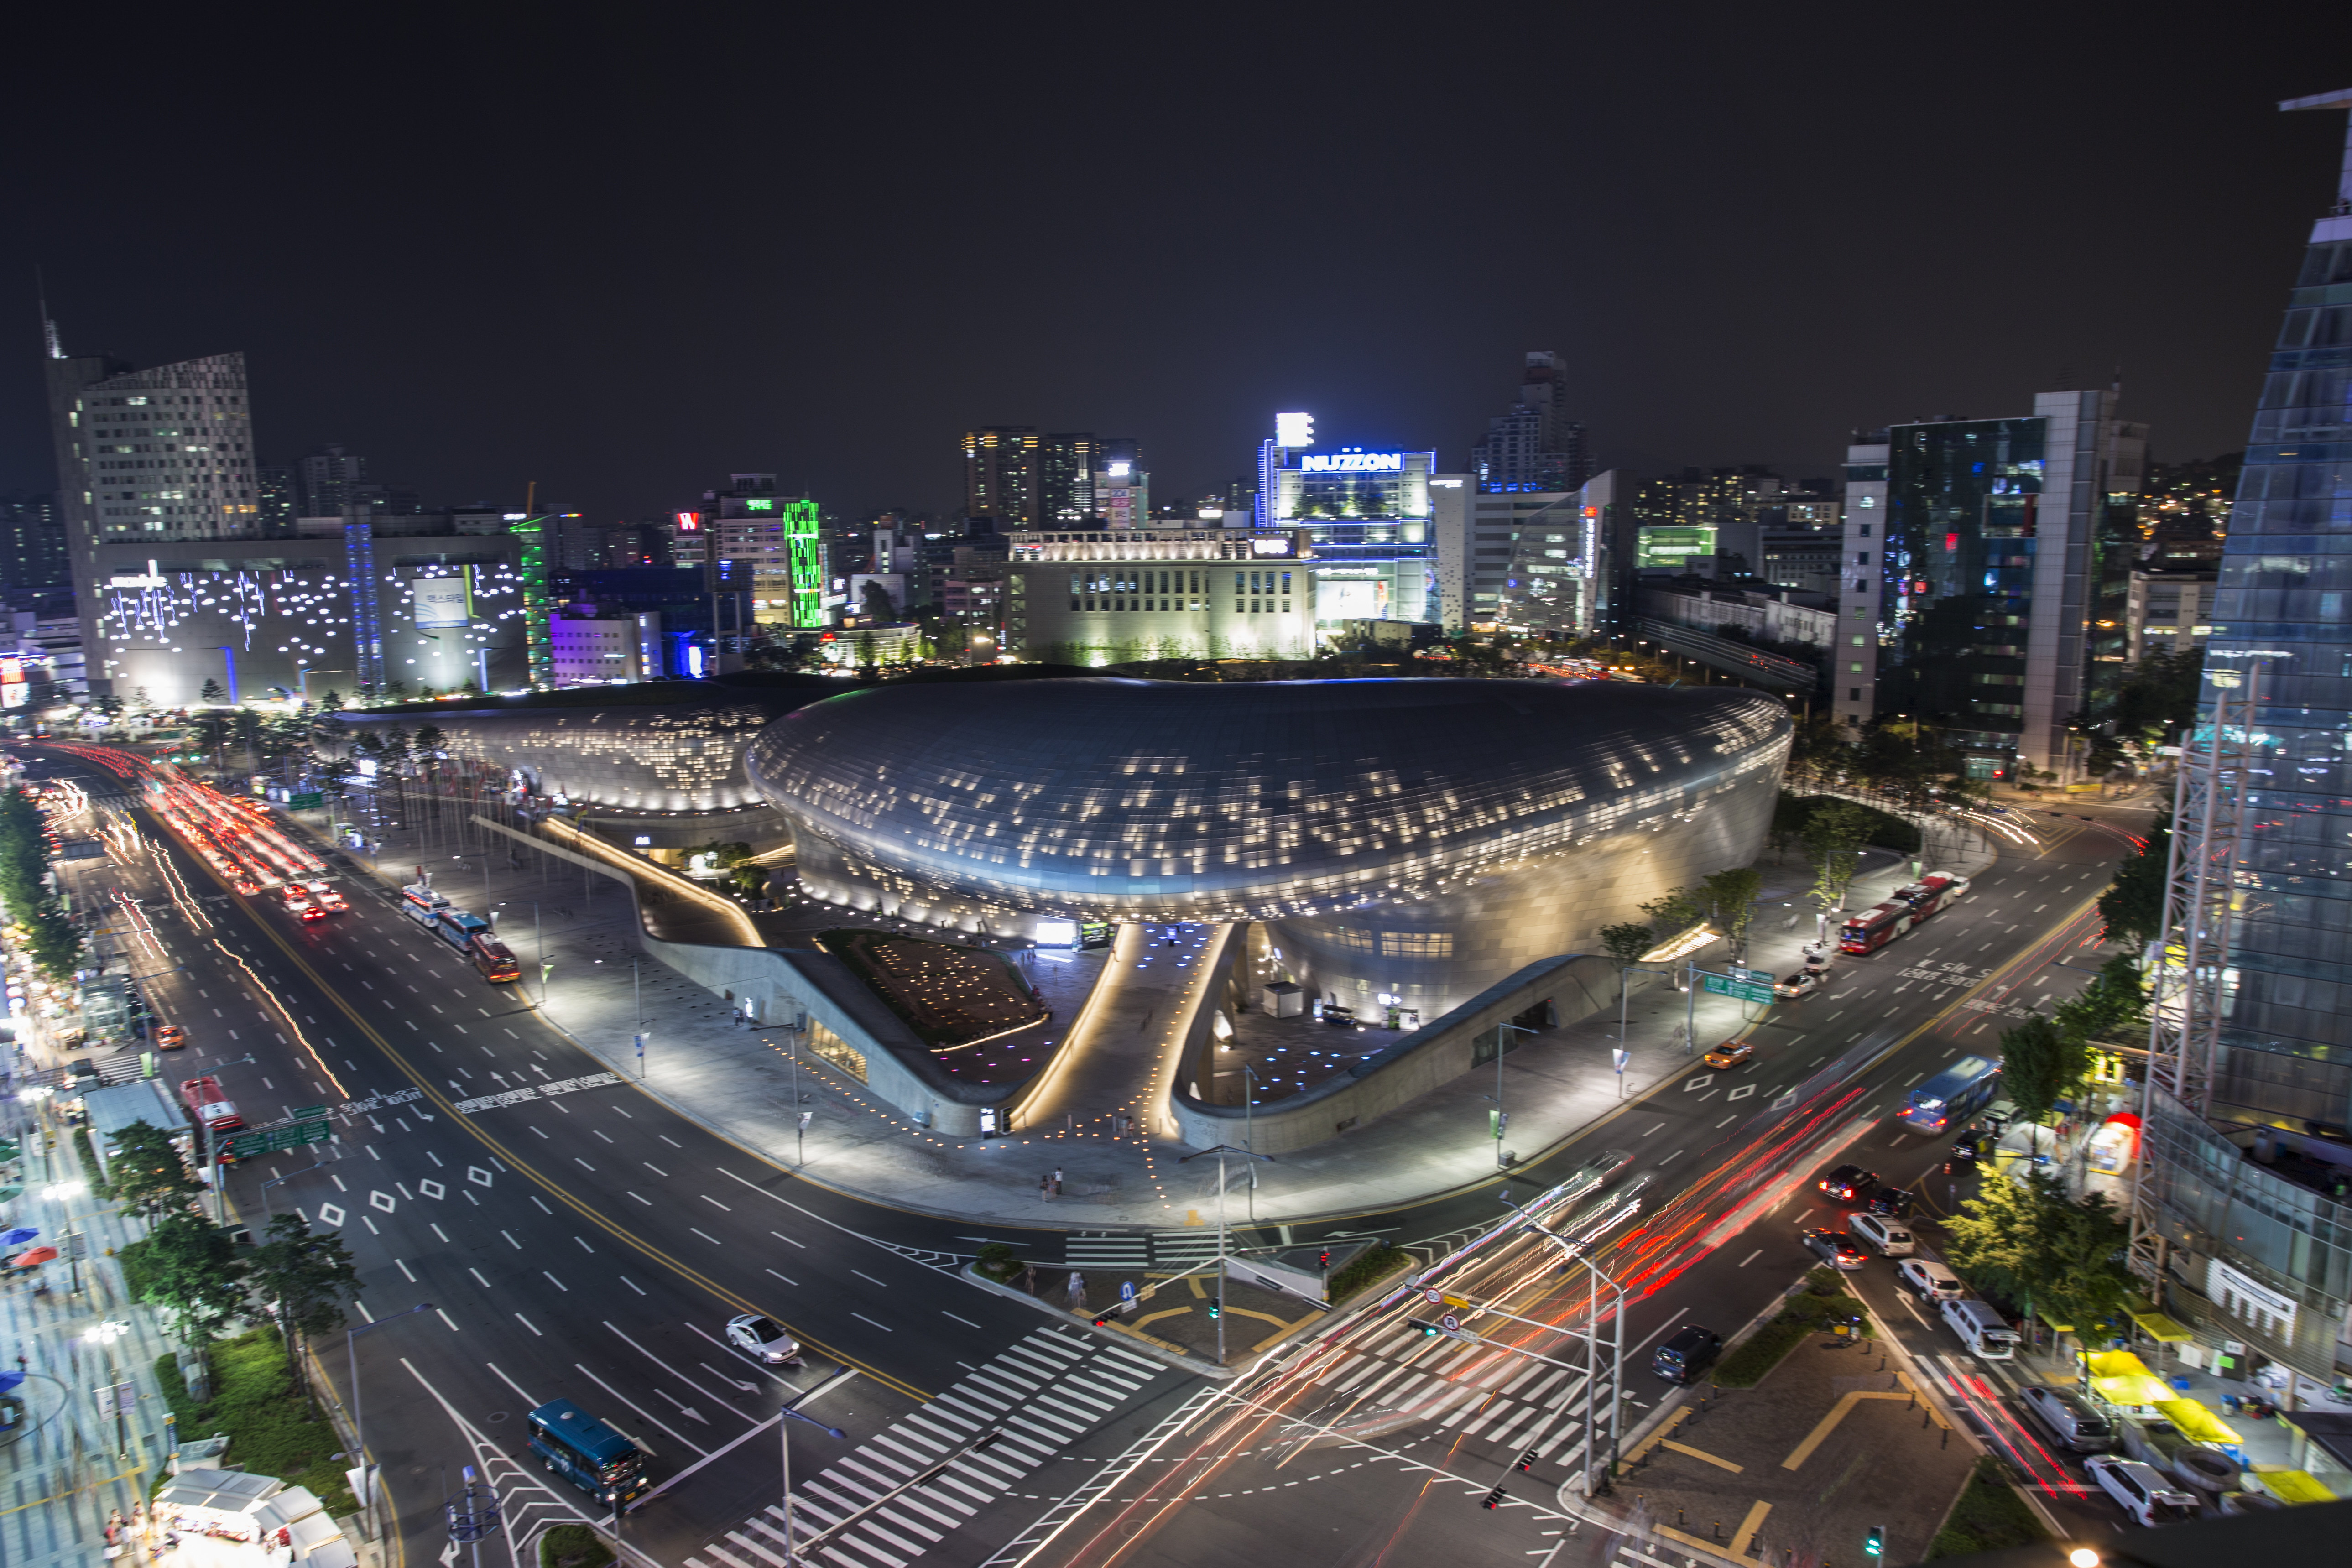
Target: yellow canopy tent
{"type": "Point", "coordinates": [2195, 1422]}
{"type": "Point", "coordinates": [2132, 1389]}
{"type": "Point", "coordinates": [2114, 1363]}
{"type": "Point", "coordinates": [2293, 1486]}
{"type": "Point", "coordinates": [2163, 1329]}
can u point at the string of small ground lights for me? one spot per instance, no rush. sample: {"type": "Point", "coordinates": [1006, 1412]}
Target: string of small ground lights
{"type": "Point", "coordinates": [857, 1099]}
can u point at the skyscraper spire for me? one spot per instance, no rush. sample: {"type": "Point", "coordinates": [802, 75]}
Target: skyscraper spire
{"type": "Point", "coordinates": [50, 342]}
{"type": "Point", "coordinates": [2339, 99]}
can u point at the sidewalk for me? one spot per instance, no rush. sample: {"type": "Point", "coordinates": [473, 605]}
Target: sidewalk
{"type": "Point", "coordinates": [70, 1468]}
{"type": "Point", "coordinates": [747, 1084]}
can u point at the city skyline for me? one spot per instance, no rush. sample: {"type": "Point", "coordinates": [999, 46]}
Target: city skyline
{"type": "Point", "coordinates": [1745, 228]}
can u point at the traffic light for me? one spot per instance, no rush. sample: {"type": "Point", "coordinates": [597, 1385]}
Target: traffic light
{"type": "Point", "coordinates": [1217, 1306]}
{"type": "Point", "coordinates": [1526, 1461]}
{"type": "Point", "coordinates": [1494, 1499]}
{"type": "Point", "coordinates": [1323, 1258]}
{"type": "Point", "coordinates": [1428, 1330]}
{"type": "Point", "coordinates": [1873, 1546]}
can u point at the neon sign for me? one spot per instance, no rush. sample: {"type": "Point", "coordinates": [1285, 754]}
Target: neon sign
{"type": "Point", "coordinates": [1352, 463]}
{"type": "Point", "coordinates": [1294, 429]}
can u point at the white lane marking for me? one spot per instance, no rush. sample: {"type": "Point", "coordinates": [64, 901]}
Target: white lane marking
{"type": "Point", "coordinates": [967, 1322]}
{"type": "Point", "coordinates": [528, 1399]}
{"type": "Point", "coordinates": [1726, 1121]}
{"type": "Point", "coordinates": [794, 1283]}
{"type": "Point", "coordinates": [666, 1367]}
{"type": "Point", "coordinates": [404, 1268]}
{"type": "Point", "coordinates": [869, 1278]}
{"type": "Point", "coordinates": [527, 1323]}
{"type": "Point", "coordinates": [557, 1283]}
{"type": "Point", "coordinates": [477, 1274]}
{"type": "Point", "coordinates": [642, 1411]}
{"type": "Point", "coordinates": [863, 1319]}
{"type": "Point", "coordinates": [630, 1283]}
{"type": "Point", "coordinates": [453, 1325]}
{"type": "Point", "coordinates": [1749, 1258]}
{"type": "Point", "coordinates": [779, 1236]}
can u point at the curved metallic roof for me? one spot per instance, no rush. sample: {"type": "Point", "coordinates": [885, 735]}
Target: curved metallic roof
{"type": "Point", "coordinates": [1247, 800]}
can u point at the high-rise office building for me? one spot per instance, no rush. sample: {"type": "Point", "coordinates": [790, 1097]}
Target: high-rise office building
{"type": "Point", "coordinates": [1065, 479]}
{"type": "Point", "coordinates": [2245, 1179]}
{"type": "Point", "coordinates": [1535, 446]}
{"type": "Point", "coordinates": [1122, 488]}
{"type": "Point", "coordinates": [1000, 480]}
{"type": "Point", "coordinates": [1971, 554]}
{"type": "Point", "coordinates": [756, 538]}
{"type": "Point", "coordinates": [32, 544]}
{"type": "Point", "coordinates": [331, 481]}
{"type": "Point", "coordinates": [160, 455]}
{"type": "Point", "coordinates": [1369, 516]}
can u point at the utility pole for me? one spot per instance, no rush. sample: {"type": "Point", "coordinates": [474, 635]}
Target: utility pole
{"type": "Point", "coordinates": [1221, 1151]}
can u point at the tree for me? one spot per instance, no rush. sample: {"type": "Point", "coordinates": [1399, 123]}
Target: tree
{"type": "Point", "coordinates": [211, 690]}
{"type": "Point", "coordinates": [2133, 905]}
{"type": "Point", "coordinates": [874, 602]}
{"type": "Point", "coordinates": [1832, 837]}
{"type": "Point", "coordinates": [2026, 1240]}
{"type": "Point", "coordinates": [54, 941]}
{"type": "Point", "coordinates": [1626, 943]}
{"type": "Point", "coordinates": [188, 1265]}
{"type": "Point", "coordinates": [332, 702]}
{"type": "Point", "coordinates": [2038, 1066]}
{"type": "Point", "coordinates": [304, 1279]}
{"type": "Point", "coordinates": [149, 1175]}
{"type": "Point", "coordinates": [2113, 1006]}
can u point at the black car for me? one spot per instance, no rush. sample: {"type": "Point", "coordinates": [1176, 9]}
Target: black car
{"type": "Point", "coordinates": [1849, 1183]}
{"type": "Point", "coordinates": [1967, 1149]}
{"type": "Point", "coordinates": [1684, 1357]}
{"type": "Point", "coordinates": [1895, 1202]}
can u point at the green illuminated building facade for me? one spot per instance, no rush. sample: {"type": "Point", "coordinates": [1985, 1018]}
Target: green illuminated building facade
{"type": "Point", "coordinates": [804, 526]}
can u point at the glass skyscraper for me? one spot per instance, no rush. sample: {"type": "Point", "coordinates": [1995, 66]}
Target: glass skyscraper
{"type": "Point", "coordinates": [2255, 1196]}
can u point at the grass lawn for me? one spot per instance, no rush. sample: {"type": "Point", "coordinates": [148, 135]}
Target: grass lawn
{"type": "Point", "coordinates": [1988, 1516]}
{"type": "Point", "coordinates": [272, 1430]}
{"type": "Point", "coordinates": [1809, 1312]}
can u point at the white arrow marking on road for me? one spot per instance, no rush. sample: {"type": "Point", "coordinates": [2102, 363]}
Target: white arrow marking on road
{"type": "Point", "coordinates": [689, 1411]}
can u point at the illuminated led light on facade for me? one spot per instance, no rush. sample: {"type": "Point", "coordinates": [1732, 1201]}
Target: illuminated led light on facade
{"type": "Point", "coordinates": [1679, 946]}
{"type": "Point", "coordinates": [1294, 429]}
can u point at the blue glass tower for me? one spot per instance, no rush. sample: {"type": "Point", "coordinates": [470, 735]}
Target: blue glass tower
{"type": "Point", "coordinates": [2250, 1191]}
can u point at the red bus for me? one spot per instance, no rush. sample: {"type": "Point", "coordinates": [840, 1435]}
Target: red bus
{"type": "Point", "coordinates": [1935, 890]}
{"type": "Point", "coordinates": [1875, 928]}
{"type": "Point", "coordinates": [207, 1106]}
{"type": "Point", "coordinates": [492, 958]}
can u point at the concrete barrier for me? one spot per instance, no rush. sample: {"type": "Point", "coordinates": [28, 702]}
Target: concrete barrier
{"type": "Point", "coordinates": [1571, 987]}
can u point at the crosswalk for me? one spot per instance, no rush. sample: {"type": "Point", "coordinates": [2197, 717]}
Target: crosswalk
{"type": "Point", "coordinates": [1183, 1248]}
{"type": "Point", "coordinates": [1051, 1388]}
{"type": "Point", "coordinates": [1504, 1399]}
{"type": "Point", "coordinates": [1107, 1251]}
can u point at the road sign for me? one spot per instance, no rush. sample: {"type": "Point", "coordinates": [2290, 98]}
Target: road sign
{"type": "Point", "coordinates": [1739, 972]}
{"type": "Point", "coordinates": [1437, 1297]}
{"type": "Point", "coordinates": [1126, 1290]}
{"type": "Point", "coordinates": [1450, 1323]}
{"type": "Point", "coordinates": [309, 800]}
{"type": "Point", "coordinates": [1746, 989]}
{"type": "Point", "coordinates": [306, 1113]}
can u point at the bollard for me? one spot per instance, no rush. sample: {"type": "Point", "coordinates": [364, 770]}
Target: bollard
{"type": "Point", "coordinates": [1716, 1533]}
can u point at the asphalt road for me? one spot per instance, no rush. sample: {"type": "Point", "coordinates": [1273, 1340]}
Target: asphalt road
{"type": "Point", "coordinates": [590, 1244]}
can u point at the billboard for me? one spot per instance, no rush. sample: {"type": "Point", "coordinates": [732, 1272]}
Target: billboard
{"type": "Point", "coordinates": [443, 601]}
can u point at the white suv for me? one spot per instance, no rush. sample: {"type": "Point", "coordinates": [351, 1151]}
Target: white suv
{"type": "Point", "coordinates": [1931, 1279]}
{"type": "Point", "coordinates": [1887, 1235]}
{"type": "Point", "coordinates": [2139, 1491]}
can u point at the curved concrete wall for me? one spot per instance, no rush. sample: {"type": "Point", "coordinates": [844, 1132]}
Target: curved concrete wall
{"type": "Point", "coordinates": [1576, 986]}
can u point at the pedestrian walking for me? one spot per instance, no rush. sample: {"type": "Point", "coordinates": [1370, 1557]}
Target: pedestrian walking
{"type": "Point", "coordinates": [1057, 1180]}
{"type": "Point", "coordinates": [1077, 1291]}
{"type": "Point", "coordinates": [1029, 1278]}
{"type": "Point", "coordinates": [1044, 1186]}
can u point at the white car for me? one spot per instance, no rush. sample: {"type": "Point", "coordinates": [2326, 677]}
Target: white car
{"type": "Point", "coordinates": [1931, 1279]}
{"type": "Point", "coordinates": [765, 1338]}
{"type": "Point", "coordinates": [1888, 1236]}
{"type": "Point", "coordinates": [2139, 1491]}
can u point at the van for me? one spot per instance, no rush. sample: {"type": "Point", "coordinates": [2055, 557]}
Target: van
{"type": "Point", "coordinates": [1887, 1235]}
{"type": "Point", "coordinates": [1684, 1357]}
{"type": "Point", "coordinates": [1985, 1333]}
{"type": "Point", "coordinates": [2070, 1418]}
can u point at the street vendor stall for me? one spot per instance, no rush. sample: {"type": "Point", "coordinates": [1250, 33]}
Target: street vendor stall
{"type": "Point", "coordinates": [227, 1519]}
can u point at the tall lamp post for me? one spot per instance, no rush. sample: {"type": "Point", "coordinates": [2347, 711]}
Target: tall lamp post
{"type": "Point", "coordinates": [1502, 1118]}
{"type": "Point", "coordinates": [359, 1410]}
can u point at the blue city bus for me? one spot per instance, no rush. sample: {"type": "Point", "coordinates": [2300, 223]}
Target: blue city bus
{"type": "Point", "coordinates": [1952, 1095]}
{"type": "Point", "coordinates": [587, 1453]}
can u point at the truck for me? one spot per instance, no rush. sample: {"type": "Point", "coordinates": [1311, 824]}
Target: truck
{"type": "Point", "coordinates": [207, 1106]}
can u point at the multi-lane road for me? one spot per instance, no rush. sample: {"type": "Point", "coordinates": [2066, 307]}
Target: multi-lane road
{"type": "Point", "coordinates": [575, 1238]}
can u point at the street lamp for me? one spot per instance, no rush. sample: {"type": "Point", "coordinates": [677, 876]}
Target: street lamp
{"type": "Point", "coordinates": [359, 1410]}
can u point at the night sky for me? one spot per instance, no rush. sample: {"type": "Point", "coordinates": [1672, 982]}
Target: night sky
{"type": "Point", "coordinates": [624, 251]}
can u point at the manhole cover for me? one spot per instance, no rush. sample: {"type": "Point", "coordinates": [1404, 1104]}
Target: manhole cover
{"type": "Point", "coordinates": [497, 1414]}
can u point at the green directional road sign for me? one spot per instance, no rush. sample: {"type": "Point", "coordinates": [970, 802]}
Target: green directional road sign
{"type": "Point", "coordinates": [1746, 989]}
{"type": "Point", "coordinates": [306, 1113]}
{"type": "Point", "coordinates": [307, 800]}
{"type": "Point", "coordinates": [277, 1140]}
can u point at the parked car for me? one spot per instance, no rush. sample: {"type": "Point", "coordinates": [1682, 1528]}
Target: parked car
{"type": "Point", "coordinates": [1836, 1248]}
{"type": "Point", "coordinates": [765, 1338]}
{"type": "Point", "coordinates": [1929, 1280]}
{"type": "Point", "coordinates": [2069, 1417]}
{"type": "Point", "coordinates": [2139, 1491]}
{"type": "Point", "coordinates": [1849, 1183]}
{"type": "Point", "coordinates": [1887, 1235]}
{"type": "Point", "coordinates": [1687, 1355]}
{"type": "Point", "coordinates": [1730, 1054]}
{"type": "Point", "coordinates": [1895, 1202]}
